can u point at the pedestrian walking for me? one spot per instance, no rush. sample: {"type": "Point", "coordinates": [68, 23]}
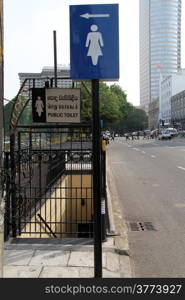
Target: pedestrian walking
{"type": "Point", "coordinates": [127, 136]}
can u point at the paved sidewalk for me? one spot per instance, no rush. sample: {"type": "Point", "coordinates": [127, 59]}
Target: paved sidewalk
{"type": "Point", "coordinates": [58, 259]}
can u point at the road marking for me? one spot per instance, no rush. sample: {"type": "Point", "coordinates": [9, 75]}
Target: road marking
{"type": "Point", "coordinates": [153, 156]}
{"type": "Point", "coordinates": [179, 167]}
{"type": "Point", "coordinates": [181, 205]}
{"type": "Point", "coordinates": [155, 185]}
{"type": "Point", "coordinates": [143, 152]}
{"type": "Point", "coordinates": [182, 149]}
{"type": "Point", "coordinates": [136, 149]}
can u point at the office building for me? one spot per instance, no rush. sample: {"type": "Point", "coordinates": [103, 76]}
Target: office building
{"type": "Point", "coordinates": [171, 86]}
{"type": "Point", "coordinates": [160, 45]}
{"type": "Point", "coordinates": [178, 110]}
{"type": "Point", "coordinates": [63, 74]}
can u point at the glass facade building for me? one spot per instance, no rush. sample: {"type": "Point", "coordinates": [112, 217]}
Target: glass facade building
{"type": "Point", "coordinates": [160, 45]}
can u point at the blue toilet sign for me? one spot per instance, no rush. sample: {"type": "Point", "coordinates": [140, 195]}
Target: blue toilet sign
{"type": "Point", "coordinates": [94, 41]}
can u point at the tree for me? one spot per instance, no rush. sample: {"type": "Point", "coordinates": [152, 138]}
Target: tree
{"type": "Point", "coordinates": [7, 115]}
{"type": "Point", "coordinates": [25, 118]}
{"type": "Point", "coordinates": [122, 97]}
{"type": "Point", "coordinates": [136, 120]}
{"type": "Point", "coordinates": [112, 103]}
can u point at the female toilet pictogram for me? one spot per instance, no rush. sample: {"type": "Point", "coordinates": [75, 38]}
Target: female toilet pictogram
{"type": "Point", "coordinates": [39, 105]}
{"type": "Point", "coordinates": [94, 41]}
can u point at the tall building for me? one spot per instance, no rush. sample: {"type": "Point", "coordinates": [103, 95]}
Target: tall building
{"type": "Point", "coordinates": [160, 45]}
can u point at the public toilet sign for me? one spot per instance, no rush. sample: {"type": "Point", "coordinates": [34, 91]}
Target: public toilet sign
{"type": "Point", "coordinates": [56, 105]}
{"type": "Point", "coordinates": [94, 41]}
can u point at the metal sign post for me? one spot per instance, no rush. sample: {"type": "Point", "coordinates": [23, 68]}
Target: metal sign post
{"type": "Point", "coordinates": [1, 135]}
{"type": "Point", "coordinates": [96, 180]}
{"type": "Point", "coordinates": [94, 54]}
{"type": "Point", "coordinates": [55, 56]}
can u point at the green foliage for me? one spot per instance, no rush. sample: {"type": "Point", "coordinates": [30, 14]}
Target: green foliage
{"type": "Point", "coordinates": [113, 103]}
{"type": "Point", "coordinates": [109, 105]}
{"type": "Point", "coordinates": [25, 119]}
{"type": "Point", "coordinates": [7, 115]}
{"type": "Point", "coordinates": [136, 119]}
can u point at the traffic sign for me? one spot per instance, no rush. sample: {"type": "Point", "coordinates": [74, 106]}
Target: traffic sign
{"type": "Point", "coordinates": [94, 41]}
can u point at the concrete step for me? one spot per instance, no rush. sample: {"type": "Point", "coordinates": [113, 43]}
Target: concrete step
{"type": "Point", "coordinates": [66, 244]}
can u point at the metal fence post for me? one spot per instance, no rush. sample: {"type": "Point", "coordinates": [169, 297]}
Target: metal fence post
{"type": "Point", "coordinates": [7, 197]}
{"type": "Point", "coordinates": [13, 192]}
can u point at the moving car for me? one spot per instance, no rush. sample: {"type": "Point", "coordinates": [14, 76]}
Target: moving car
{"type": "Point", "coordinates": [165, 135]}
{"type": "Point", "coordinates": [173, 131]}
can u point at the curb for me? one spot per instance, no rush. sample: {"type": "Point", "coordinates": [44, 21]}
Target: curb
{"type": "Point", "coordinates": [117, 223]}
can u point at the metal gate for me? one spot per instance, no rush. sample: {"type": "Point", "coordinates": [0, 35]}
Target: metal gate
{"type": "Point", "coordinates": [50, 191]}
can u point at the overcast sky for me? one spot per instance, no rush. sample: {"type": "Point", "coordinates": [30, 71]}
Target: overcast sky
{"type": "Point", "coordinates": [28, 38]}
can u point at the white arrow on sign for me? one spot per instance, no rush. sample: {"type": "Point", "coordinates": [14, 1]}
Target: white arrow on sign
{"type": "Point", "coordinates": [87, 16]}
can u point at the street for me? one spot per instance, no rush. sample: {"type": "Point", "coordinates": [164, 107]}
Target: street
{"type": "Point", "coordinates": [150, 180]}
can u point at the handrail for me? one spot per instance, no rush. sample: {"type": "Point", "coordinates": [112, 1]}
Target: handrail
{"type": "Point", "coordinates": [45, 223]}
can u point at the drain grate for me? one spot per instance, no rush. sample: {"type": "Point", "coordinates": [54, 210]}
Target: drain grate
{"type": "Point", "coordinates": [134, 226]}
{"type": "Point", "coordinates": [149, 226]}
{"type": "Point", "coordinates": [141, 226]}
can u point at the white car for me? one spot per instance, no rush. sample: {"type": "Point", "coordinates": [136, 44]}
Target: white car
{"type": "Point", "coordinates": [165, 135]}
{"type": "Point", "coordinates": [173, 131]}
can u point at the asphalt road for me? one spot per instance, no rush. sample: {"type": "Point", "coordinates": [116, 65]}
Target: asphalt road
{"type": "Point", "coordinates": [150, 181]}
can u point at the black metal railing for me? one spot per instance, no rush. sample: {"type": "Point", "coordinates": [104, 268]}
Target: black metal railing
{"type": "Point", "coordinates": [51, 176]}
{"type": "Point", "coordinates": [49, 189]}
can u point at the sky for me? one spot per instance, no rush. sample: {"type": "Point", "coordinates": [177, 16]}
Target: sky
{"type": "Point", "coordinates": [28, 40]}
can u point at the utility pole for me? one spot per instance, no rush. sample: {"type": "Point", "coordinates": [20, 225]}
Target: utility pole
{"type": "Point", "coordinates": [1, 136]}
